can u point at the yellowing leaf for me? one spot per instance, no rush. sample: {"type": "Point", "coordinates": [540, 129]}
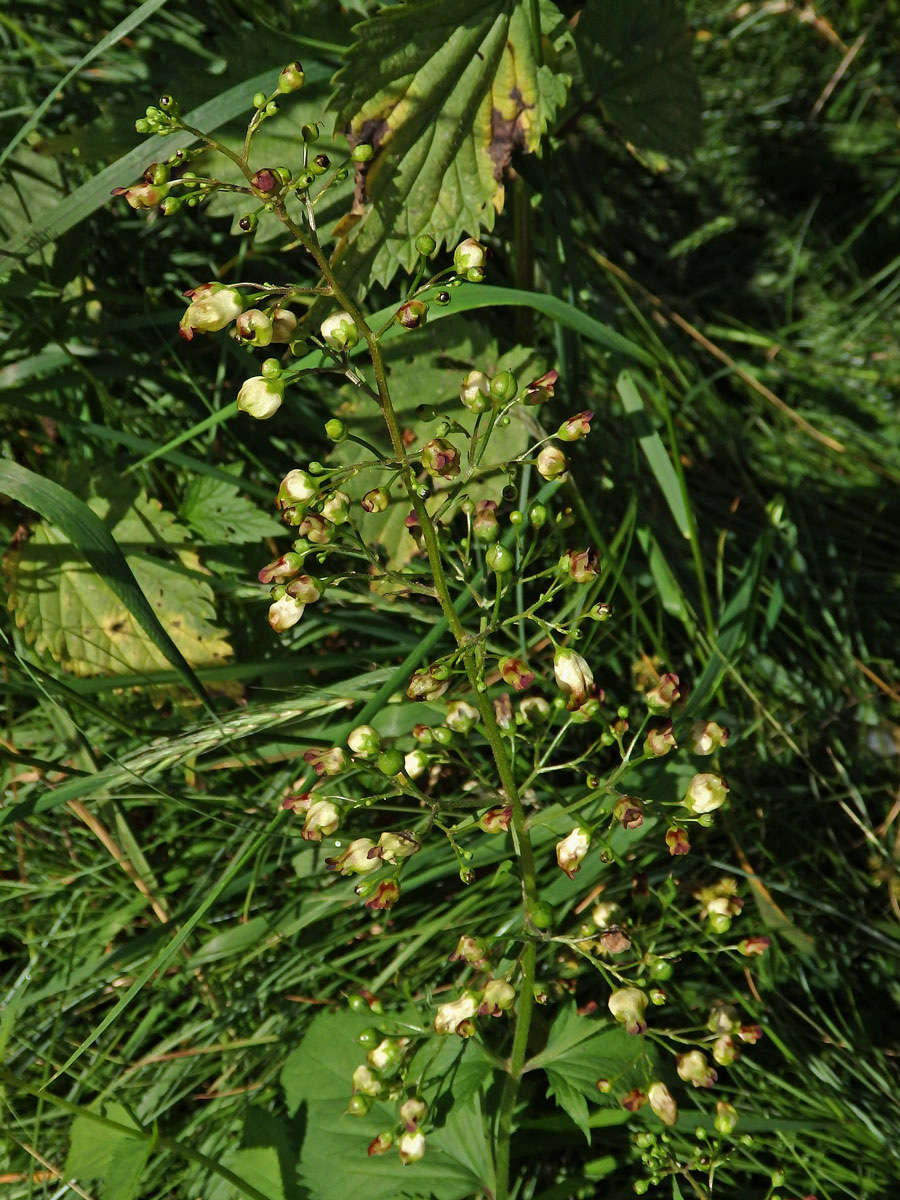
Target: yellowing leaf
{"type": "Point", "coordinates": [445, 91]}
{"type": "Point", "coordinates": [67, 611]}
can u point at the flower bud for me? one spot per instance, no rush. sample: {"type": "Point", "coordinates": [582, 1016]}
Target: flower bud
{"type": "Point", "coordinates": [485, 525]}
{"type": "Point", "coordinates": [281, 569]}
{"type": "Point", "coordinates": [336, 508]}
{"type": "Point", "coordinates": [411, 1147]}
{"type": "Point", "coordinates": [316, 529]}
{"type": "Point", "coordinates": [254, 327]}
{"type": "Point", "coordinates": [425, 244]}
{"type": "Point", "coordinates": [495, 820]}
{"type": "Point", "coordinates": [449, 1016]}
{"type": "Point", "coordinates": [322, 819]}
{"type": "Point", "coordinates": [339, 331]}
{"type": "Point", "coordinates": [726, 1117]}
{"type": "Point", "coordinates": [540, 390]}
{"type": "Point", "coordinates": [693, 1068]}
{"type": "Point", "coordinates": [362, 152]}
{"type": "Point", "coordinates": [394, 847]}
{"type": "Point", "coordinates": [661, 697]}
{"type": "Point", "coordinates": [366, 1081]}
{"type": "Point", "coordinates": [575, 427]}
{"type": "Point", "coordinates": [705, 794]}
{"type": "Point", "coordinates": [305, 588]}
{"type": "Point", "coordinates": [628, 1005]}
{"type": "Point", "coordinates": [364, 741]}
{"type": "Point", "coordinates": [725, 1050]}
{"type": "Point", "coordinates": [390, 762]}
{"type": "Point", "coordinates": [143, 195]}
{"type": "Point", "coordinates": [291, 79]}
{"type": "Point", "coordinates": [515, 673]}
{"type": "Point", "coordinates": [266, 182]}
{"type": "Point", "coordinates": [551, 463]}
{"type": "Point", "coordinates": [260, 398]}
{"type": "Point", "coordinates": [469, 949]}
{"type": "Point", "coordinates": [573, 677]}
{"type": "Point", "coordinates": [572, 849]}
{"type": "Point", "coordinates": [629, 812]}
{"type": "Point", "coordinates": [412, 315]}
{"type": "Point", "coordinates": [284, 325]}
{"type": "Point", "coordinates": [461, 716]}
{"type": "Point", "coordinates": [212, 306]}
{"type": "Point", "coordinates": [376, 500]}
{"type": "Point", "coordinates": [504, 387]}
{"type": "Point", "coordinates": [382, 1143]}
{"type": "Point", "coordinates": [475, 392]}
{"type": "Point", "coordinates": [600, 612]}
{"type": "Point", "coordinates": [498, 559]}
{"type": "Point", "coordinates": [441, 458]}
{"type": "Point", "coordinates": [753, 945]}
{"type": "Point", "coordinates": [660, 740]}
{"type": "Point", "coordinates": [425, 685]}
{"type": "Point", "coordinates": [358, 1106]}
{"type": "Point", "coordinates": [326, 762]}
{"type": "Point", "coordinates": [356, 859]}
{"type": "Point", "coordinates": [581, 565]}
{"type": "Point", "coordinates": [297, 488]}
{"type": "Point", "coordinates": [468, 255]}
{"type": "Point", "coordinates": [634, 1101]}
{"type": "Point", "coordinates": [677, 841]}
{"type": "Point", "coordinates": [385, 896]}
{"type": "Point", "coordinates": [415, 763]}
{"type": "Point", "coordinates": [663, 1103]}
{"type": "Point", "coordinates": [498, 997]}
{"type": "Point", "coordinates": [284, 613]}
{"type": "Point", "coordinates": [706, 737]}
{"type": "Point", "coordinates": [412, 1112]}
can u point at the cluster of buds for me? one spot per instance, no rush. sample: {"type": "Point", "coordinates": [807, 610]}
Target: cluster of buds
{"type": "Point", "coordinates": [495, 998]}
{"type": "Point", "coordinates": [290, 600]}
{"type": "Point", "coordinates": [719, 903]}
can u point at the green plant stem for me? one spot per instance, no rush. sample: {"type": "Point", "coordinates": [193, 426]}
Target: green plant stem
{"type": "Point", "coordinates": [492, 730]}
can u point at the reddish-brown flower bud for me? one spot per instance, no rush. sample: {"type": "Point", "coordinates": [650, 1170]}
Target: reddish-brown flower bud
{"type": "Point", "coordinates": [677, 841]}
{"type": "Point", "coordinates": [541, 389]}
{"type": "Point", "coordinates": [515, 673]}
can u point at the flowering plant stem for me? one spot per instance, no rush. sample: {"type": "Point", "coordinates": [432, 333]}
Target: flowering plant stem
{"type": "Point", "coordinates": [466, 644]}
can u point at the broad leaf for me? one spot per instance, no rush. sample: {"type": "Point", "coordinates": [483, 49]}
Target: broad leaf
{"type": "Point", "coordinates": [445, 91]}
{"type": "Point", "coordinates": [219, 513]}
{"type": "Point", "coordinates": [72, 613]}
{"type": "Point", "coordinates": [636, 57]}
{"type": "Point", "coordinates": [579, 1052]}
{"type": "Point", "coordinates": [97, 1151]}
{"type": "Point", "coordinates": [334, 1163]}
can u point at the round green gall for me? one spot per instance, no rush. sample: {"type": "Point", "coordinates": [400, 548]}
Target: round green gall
{"type": "Point", "coordinates": [362, 153]}
{"type": "Point", "coordinates": [316, 468]}
{"type": "Point", "coordinates": [271, 369]}
{"type": "Point", "coordinates": [357, 1003]}
{"type": "Point", "coordinates": [390, 762]}
{"type": "Point", "coordinates": [425, 244]}
{"type": "Point", "coordinates": [443, 736]}
{"type": "Point", "coordinates": [336, 430]}
{"type": "Point", "coordinates": [659, 968]}
{"type": "Point", "coordinates": [537, 515]}
{"type": "Point", "coordinates": [499, 559]}
{"type": "Point", "coordinates": [542, 915]}
{"type": "Point", "coordinates": [358, 1106]}
{"type": "Point", "coordinates": [504, 386]}
{"type": "Point", "coordinates": [516, 517]}
{"type": "Point", "coordinates": [369, 1037]}
{"type": "Point", "coordinates": [259, 99]}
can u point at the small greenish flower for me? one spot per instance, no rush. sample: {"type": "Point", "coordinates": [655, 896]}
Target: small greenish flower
{"type": "Point", "coordinates": [628, 1006]}
{"type": "Point", "coordinates": [571, 850]}
{"type": "Point", "coordinates": [261, 398]}
{"type": "Point", "coordinates": [339, 331]}
{"type": "Point", "coordinates": [551, 463]}
{"type": "Point", "coordinates": [212, 306]}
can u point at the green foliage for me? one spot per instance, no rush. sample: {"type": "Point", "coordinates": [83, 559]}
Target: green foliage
{"type": "Point", "coordinates": [98, 1151]}
{"type": "Point", "coordinates": [333, 1160]}
{"type": "Point", "coordinates": [86, 621]}
{"type": "Point", "coordinates": [444, 92]}
{"type": "Point", "coordinates": [636, 58]}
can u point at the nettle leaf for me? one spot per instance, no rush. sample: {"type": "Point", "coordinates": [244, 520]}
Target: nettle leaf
{"type": "Point", "coordinates": [98, 1152]}
{"type": "Point", "coordinates": [636, 57]}
{"type": "Point", "coordinates": [67, 610]}
{"type": "Point", "coordinates": [445, 91]}
{"type": "Point", "coordinates": [217, 512]}
{"type": "Point", "coordinates": [334, 1162]}
{"type": "Point", "coordinates": [579, 1052]}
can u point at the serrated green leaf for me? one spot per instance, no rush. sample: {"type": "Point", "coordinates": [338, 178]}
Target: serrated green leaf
{"type": "Point", "coordinates": [85, 623]}
{"type": "Point", "coordinates": [260, 1166]}
{"type": "Point", "coordinates": [334, 1163]}
{"type": "Point", "coordinates": [126, 1166]}
{"type": "Point", "coordinates": [93, 543]}
{"type": "Point", "coordinates": [219, 513]}
{"type": "Point", "coordinates": [636, 56]}
{"type": "Point", "coordinates": [570, 1100]}
{"type": "Point", "coordinates": [444, 90]}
